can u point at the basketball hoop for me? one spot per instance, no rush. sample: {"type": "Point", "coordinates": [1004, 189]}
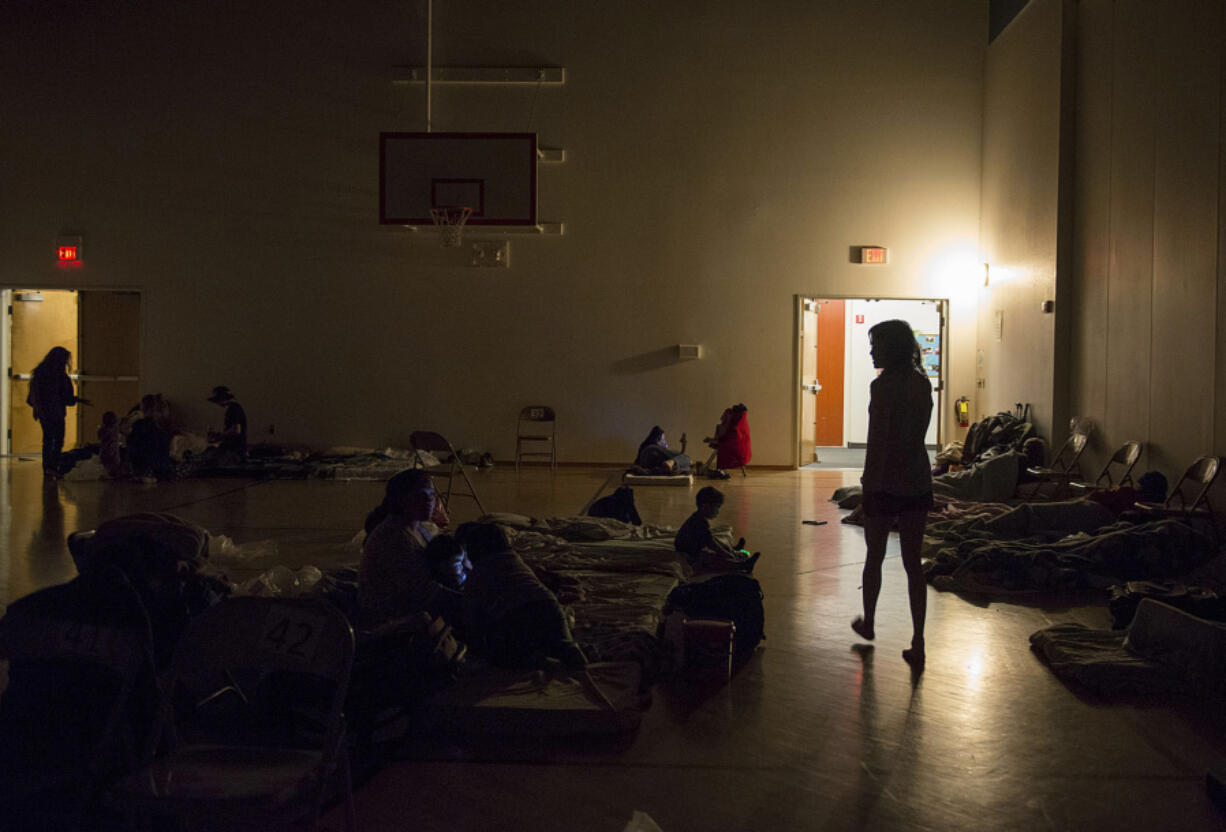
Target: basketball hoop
{"type": "Point", "coordinates": [450, 222]}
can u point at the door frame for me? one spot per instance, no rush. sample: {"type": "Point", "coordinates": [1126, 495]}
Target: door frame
{"type": "Point", "coordinates": [798, 309]}
{"type": "Point", "coordinates": [6, 296]}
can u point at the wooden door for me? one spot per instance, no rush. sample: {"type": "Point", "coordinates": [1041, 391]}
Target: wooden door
{"type": "Point", "coordinates": [808, 380]}
{"type": "Point", "coordinates": [40, 320]}
{"type": "Point", "coordinates": [109, 365]}
{"type": "Point", "coordinates": [831, 331]}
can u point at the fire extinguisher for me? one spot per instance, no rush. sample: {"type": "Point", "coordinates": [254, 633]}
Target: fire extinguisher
{"type": "Point", "coordinates": [963, 408]}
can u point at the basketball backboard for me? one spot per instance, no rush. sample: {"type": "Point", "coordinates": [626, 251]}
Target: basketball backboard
{"type": "Point", "coordinates": [494, 174]}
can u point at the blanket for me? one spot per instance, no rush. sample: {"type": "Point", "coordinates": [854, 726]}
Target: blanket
{"type": "Point", "coordinates": [1163, 651]}
{"type": "Point", "coordinates": [1121, 551]}
{"type": "Point", "coordinates": [612, 578]}
{"type": "Point", "coordinates": [343, 463]}
{"type": "Point", "coordinates": [992, 480]}
{"type": "Point", "coordinates": [961, 520]}
{"type": "Point", "coordinates": [945, 510]}
{"type": "Point", "coordinates": [683, 480]}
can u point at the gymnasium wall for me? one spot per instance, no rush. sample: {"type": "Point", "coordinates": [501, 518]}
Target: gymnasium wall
{"type": "Point", "coordinates": [1019, 233]}
{"type": "Point", "coordinates": [1149, 352]}
{"type": "Point", "coordinates": [721, 158]}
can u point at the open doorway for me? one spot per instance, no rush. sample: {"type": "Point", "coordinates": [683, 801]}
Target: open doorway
{"type": "Point", "coordinates": [101, 328]}
{"type": "Point", "coordinates": [834, 370]}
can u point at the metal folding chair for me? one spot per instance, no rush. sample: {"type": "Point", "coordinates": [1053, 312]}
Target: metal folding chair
{"type": "Point", "coordinates": [1066, 465]}
{"type": "Point", "coordinates": [1190, 496]}
{"type": "Point", "coordinates": [258, 686]}
{"type": "Point", "coordinates": [449, 465]}
{"type": "Point", "coordinates": [81, 703]}
{"type": "Point", "coordinates": [537, 427]}
{"type": "Point", "coordinates": [1117, 471]}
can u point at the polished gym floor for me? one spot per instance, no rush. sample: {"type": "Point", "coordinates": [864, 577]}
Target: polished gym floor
{"type": "Point", "coordinates": [816, 731]}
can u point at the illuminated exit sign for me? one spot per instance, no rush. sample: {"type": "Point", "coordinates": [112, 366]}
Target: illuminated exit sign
{"type": "Point", "coordinates": [874, 254]}
{"type": "Point", "coordinates": [69, 249]}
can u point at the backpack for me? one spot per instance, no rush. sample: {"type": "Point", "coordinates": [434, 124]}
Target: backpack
{"type": "Point", "coordinates": [619, 506]}
{"type": "Point", "coordinates": [735, 597]}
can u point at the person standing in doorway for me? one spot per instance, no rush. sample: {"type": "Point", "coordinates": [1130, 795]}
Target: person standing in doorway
{"type": "Point", "coordinates": [897, 476]}
{"type": "Point", "coordinates": [51, 394]}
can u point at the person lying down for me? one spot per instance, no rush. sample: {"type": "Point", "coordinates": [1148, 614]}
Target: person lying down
{"type": "Point", "coordinates": [1064, 517]}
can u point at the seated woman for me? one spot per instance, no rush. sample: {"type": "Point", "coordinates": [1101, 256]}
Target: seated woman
{"type": "Point", "coordinates": [655, 458]}
{"type": "Point", "coordinates": [394, 578]}
{"type": "Point", "coordinates": [511, 616]}
{"type": "Point", "coordinates": [730, 445]}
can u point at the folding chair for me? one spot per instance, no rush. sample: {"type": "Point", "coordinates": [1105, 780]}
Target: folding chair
{"type": "Point", "coordinates": [1117, 471]}
{"type": "Point", "coordinates": [450, 465]}
{"type": "Point", "coordinates": [1065, 466]}
{"type": "Point", "coordinates": [81, 700]}
{"type": "Point", "coordinates": [537, 426]}
{"type": "Point", "coordinates": [1198, 478]}
{"type": "Point", "coordinates": [258, 686]}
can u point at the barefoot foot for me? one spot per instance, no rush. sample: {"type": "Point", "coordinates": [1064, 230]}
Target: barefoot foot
{"type": "Point", "coordinates": [863, 629]}
{"type": "Point", "coordinates": [914, 655]}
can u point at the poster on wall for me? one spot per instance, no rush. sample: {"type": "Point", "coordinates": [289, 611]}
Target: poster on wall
{"type": "Point", "coordinates": [930, 353]}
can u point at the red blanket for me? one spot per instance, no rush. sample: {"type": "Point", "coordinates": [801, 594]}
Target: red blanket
{"type": "Point", "coordinates": [734, 449]}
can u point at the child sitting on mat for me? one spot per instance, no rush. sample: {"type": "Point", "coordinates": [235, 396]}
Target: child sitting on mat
{"type": "Point", "coordinates": [701, 548]}
{"type": "Point", "coordinates": [509, 612]}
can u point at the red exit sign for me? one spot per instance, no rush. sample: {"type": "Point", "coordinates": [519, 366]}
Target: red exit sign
{"type": "Point", "coordinates": [69, 251]}
{"type": "Point", "coordinates": [874, 254]}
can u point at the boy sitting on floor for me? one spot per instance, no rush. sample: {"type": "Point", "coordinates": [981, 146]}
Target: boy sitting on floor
{"type": "Point", "coordinates": [703, 551]}
{"type": "Point", "coordinates": [509, 612]}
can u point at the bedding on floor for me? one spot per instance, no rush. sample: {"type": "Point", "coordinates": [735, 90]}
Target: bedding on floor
{"type": "Point", "coordinates": [607, 698]}
{"type": "Point", "coordinates": [294, 464]}
{"type": "Point", "coordinates": [994, 479]}
{"type": "Point", "coordinates": [977, 563]}
{"type": "Point", "coordinates": [944, 510]}
{"type": "Point", "coordinates": [684, 480]}
{"type": "Point", "coordinates": [1163, 651]}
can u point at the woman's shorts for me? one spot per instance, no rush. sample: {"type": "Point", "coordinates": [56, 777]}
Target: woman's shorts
{"type": "Point", "coordinates": [884, 504]}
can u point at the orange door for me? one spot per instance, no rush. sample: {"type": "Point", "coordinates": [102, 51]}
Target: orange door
{"type": "Point", "coordinates": [831, 327]}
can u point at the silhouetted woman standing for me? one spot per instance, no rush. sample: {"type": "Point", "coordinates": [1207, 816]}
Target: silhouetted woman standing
{"type": "Point", "coordinates": [897, 476]}
{"type": "Point", "coordinates": [51, 394]}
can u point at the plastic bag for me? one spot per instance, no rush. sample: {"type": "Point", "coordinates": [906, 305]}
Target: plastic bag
{"type": "Point", "coordinates": [641, 822]}
{"type": "Point", "coordinates": [87, 470]}
{"type": "Point", "coordinates": [222, 547]}
{"type": "Point", "coordinates": [398, 453]}
{"type": "Point", "coordinates": [356, 543]}
{"type": "Point", "coordinates": [282, 582]}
